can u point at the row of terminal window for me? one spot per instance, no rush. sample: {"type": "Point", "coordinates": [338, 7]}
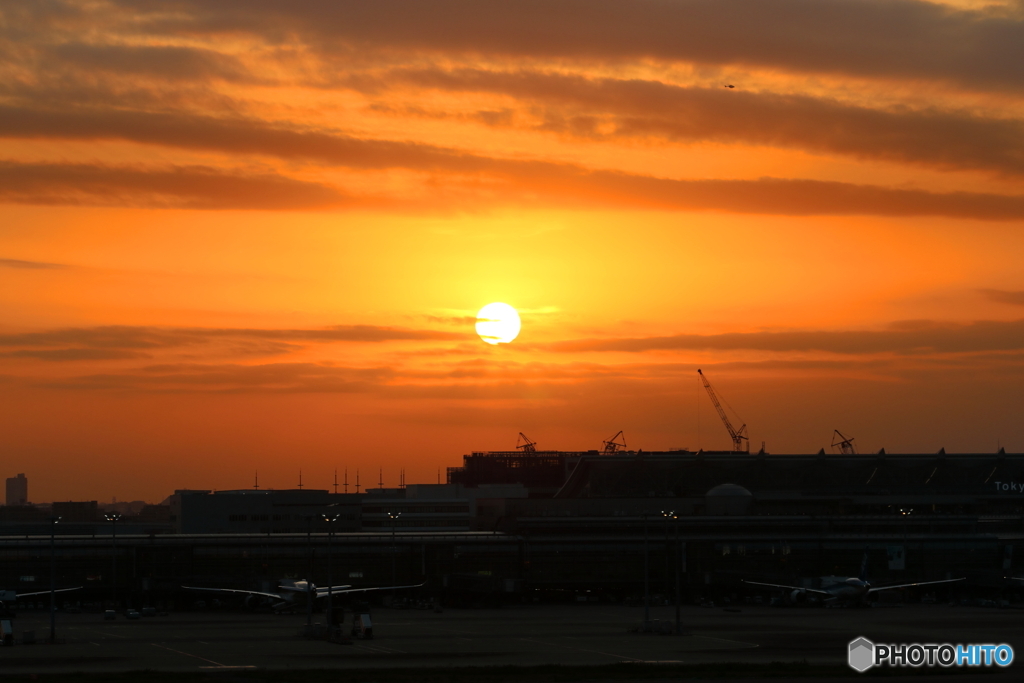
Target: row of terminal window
{"type": "Point", "coordinates": [368, 523]}
{"type": "Point", "coordinates": [276, 518]}
{"type": "Point", "coordinates": [404, 509]}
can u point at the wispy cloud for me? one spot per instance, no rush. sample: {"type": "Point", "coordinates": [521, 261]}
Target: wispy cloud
{"type": "Point", "coordinates": [522, 184]}
{"type": "Point", "coordinates": [912, 337]}
{"type": "Point", "coordinates": [31, 265]}
{"type": "Point", "coordinates": [610, 108]}
{"type": "Point", "coordinates": [904, 38]}
{"type": "Point", "coordinates": [194, 187]}
{"type": "Point", "coordinates": [1002, 296]}
{"type": "Point", "coordinates": [229, 378]}
{"type": "Point", "coordinates": [117, 342]}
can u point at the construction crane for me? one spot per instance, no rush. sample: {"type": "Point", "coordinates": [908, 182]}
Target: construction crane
{"type": "Point", "coordinates": [844, 443]}
{"type": "Point", "coordinates": [740, 441]}
{"type": "Point", "coordinates": [524, 443]}
{"type": "Point", "coordinates": [612, 445]}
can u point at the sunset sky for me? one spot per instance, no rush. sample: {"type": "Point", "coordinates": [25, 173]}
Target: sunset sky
{"type": "Point", "coordinates": [244, 235]}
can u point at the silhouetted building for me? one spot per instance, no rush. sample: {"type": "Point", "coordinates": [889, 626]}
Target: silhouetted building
{"type": "Point", "coordinates": [17, 490]}
{"type": "Point", "coordinates": [249, 511]}
{"type": "Point", "coordinates": [22, 513]}
{"type": "Point", "coordinates": [154, 513]}
{"type": "Point", "coordinates": [542, 472]}
{"type": "Point", "coordinates": [417, 507]}
{"type": "Point", "coordinates": [77, 511]}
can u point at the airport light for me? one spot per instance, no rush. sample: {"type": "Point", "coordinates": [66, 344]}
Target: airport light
{"type": "Point", "coordinates": [113, 518]}
{"type": "Point", "coordinates": [394, 549]}
{"type": "Point", "coordinates": [53, 578]}
{"type": "Point", "coordinates": [330, 519]}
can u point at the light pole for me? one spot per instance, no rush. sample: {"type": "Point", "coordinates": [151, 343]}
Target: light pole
{"type": "Point", "coordinates": [680, 559]}
{"type": "Point", "coordinates": [53, 579]}
{"type": "Point", "coordinates": [394, 550]}
{"type": "Point", "coordinates": [647, 578]}
{"type": "Point", "coordinates": [309, 581]}
{"type": "Point", "coordinates": [330, 519]}
{"type": "Point", "coordinates": [113, 518]}
{"type": "Point", "coordinates": [671, 514]}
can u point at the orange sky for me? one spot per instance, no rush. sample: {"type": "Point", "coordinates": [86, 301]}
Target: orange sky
{"type": "Point", "coordinates": [253, 235]}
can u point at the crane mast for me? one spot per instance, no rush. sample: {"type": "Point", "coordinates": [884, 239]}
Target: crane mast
{"type": "Point", "coordinates": [740, 441]}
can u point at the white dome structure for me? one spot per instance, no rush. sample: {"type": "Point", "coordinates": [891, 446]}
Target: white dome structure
{"type": "Point", "coordinates": [727, 500]}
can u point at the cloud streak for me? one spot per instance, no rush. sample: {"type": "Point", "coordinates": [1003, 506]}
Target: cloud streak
{"type": "Point", "coordinates": [897, 38]}
{"type": "Point", "coordinates": [521, 184]}
{"type": "Point", "coordinates": [607, 108]}
{"type": "Point", "coordinates": [911, 337]}
{"type": "Point", "coordinates": [18, 264]}
{"type": "Point", "coordinates": [1001, 296]}
{"type": "Point", "coordinates": [192, 187]}
{"type": "Point", "coordinates": [115, 342]}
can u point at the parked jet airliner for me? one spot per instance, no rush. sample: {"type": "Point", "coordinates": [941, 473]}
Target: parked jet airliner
{"type": "Point", "coordinates": [853, 590]}
{"type": "Point", "coordinates": [293, 593]}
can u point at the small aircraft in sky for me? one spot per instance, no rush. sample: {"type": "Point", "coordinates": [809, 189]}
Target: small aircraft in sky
{"type": "Point", "coordinates": [292, 594]}
{"type": "Point", "coordinates": [853, 590]}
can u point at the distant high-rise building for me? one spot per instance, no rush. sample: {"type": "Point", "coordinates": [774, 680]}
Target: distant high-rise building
{"type": "Point", "coordinates": [17, 490]}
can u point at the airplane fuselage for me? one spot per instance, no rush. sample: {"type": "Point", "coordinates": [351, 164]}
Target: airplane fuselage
{"type": "Point", "coordinates": [852, 589]}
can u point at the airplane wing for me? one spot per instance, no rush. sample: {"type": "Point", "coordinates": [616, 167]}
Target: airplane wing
{"type": "Point", "coordinates": [59, 590]}
{"type": "Point", "coordinates": [322, 592]}
{"type": "Point", "coordinates": [790, 588]}
{"type": "Point", "coordinates": [276, 596]}
{"type": "Point", "coordinates": [919, 583]}
{"type": "Point", "coordinates": [333, 589]}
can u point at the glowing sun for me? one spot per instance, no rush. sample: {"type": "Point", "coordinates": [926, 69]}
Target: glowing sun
{"type": "Point", "coordinates": [497, 323]}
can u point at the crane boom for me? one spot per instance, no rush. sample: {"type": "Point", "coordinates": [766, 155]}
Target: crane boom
{"type": "Point", "coordinates": [524, 443]}
{"type": "Point", "coordinates": [738, 436]}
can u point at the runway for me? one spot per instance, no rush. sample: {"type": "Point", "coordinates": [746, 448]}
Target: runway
{"type": "Point", "coordinates": [529, 635]}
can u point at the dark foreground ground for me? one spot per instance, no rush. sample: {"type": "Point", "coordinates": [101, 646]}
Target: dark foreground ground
{"type": "Point", "coordinates": [527, 643]}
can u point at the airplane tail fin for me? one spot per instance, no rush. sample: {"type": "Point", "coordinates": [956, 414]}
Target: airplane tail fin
{"type": "Point", "coordinates": [864, 566]}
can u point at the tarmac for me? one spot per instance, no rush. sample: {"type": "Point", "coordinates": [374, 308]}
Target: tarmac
{"type": "Point", "coordinates": [525, 635]}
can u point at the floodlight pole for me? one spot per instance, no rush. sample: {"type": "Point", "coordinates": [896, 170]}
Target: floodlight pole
{"type": "Point", "coordinates": [53, 579]}
{"type": "Point", "coordinates": [309, 581]}
{"type": "Point", "coordinates": [678, 563]}
{"type": "Point", "coordinates": [330, 519]}
{"type": "Point", "coordinates": [113, 518]}
{"type": "Point", "coordinates": [671, 515]}
{"type": "Point", "coordinates": [647, 577]}
{"type": "Point", "coordinates": [394, 550]}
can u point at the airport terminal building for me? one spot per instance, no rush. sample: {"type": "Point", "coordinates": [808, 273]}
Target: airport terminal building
{"type": "Point", "coordinates": [509, 525]}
